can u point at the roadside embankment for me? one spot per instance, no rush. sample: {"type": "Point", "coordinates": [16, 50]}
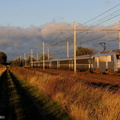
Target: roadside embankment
{"type": "Point", "coordinates": [21, 101]}
{"type": "Point", "coordinates": [80, 101]}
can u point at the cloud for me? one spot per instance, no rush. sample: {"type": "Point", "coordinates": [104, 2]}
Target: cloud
{"type": "Point", "coordinates": [18, 39]}
{"type": "Point", "coordinates": [15, 41]}
{"type": "Point", "coordinates": [52, 30]}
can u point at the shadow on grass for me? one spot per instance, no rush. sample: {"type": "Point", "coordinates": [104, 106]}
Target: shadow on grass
{"type": "Point", "coordinates": [35, 105]}
{"type": "Point", "coordinates": [112, 88]}
{"type": "Point", "coordinates": [4, 99]}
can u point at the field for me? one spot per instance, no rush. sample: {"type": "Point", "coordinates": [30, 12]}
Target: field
{"type": "Point", "coordinates": [59, 95]}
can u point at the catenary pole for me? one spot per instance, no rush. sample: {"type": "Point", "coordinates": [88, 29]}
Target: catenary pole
{"type": "Point", "coordinates": [25, 58]}
{"type": "Point", "coordinates": [48, 54]}
{"type": "Point", "coordinates": [74, 30]}
{"type": "Point", "coordinates": [74, 45]}
{"type": "Point", "coordinates": [119, 36]}
{"type": "Point", "coordinates": [43, 54]}
{"type": "Point", "coordinates": [37, 56]}
{"type": "Point", "coordinates": [67, 49]}
{"type": "Point", "coordinates": [31, 58]}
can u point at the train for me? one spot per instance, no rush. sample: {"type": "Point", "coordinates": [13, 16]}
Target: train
{"type": "Point", "coordinates": [103, 61]}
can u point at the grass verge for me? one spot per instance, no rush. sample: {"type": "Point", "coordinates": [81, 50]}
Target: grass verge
{"type": "Point", "coordinates": [21, 101]}
{"type": "Point", "coordinates": [80, 101]}
{"type": "Point", "coordinates": [34, 104]}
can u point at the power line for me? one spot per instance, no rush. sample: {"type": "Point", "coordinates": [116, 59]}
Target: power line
{"type": "Point", "coordinates": [107, 18]}
{"type": "Point", "coordinates": [101, 14]}
{"type": "Point", "coordinates": [111, 16]}
{"type": "Point", "coordinates": [61, 33]}
{"type": "Point", "coordinates": [102, 20]}
{"type": "Point", "coordinates": [102, 36]}
{"type": "Point", "coordinates": [100, 23]}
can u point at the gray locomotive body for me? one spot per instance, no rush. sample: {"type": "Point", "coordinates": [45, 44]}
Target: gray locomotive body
{"type": "Point", "coordinates": [108, 60]}
{"type": "Point", "coordinates": [102, 61]}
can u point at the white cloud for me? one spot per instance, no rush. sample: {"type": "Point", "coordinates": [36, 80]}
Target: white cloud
{"type": "Point", "coordinates": [52, 30]}
{"type": "Point", "coordinates": [15, 41]}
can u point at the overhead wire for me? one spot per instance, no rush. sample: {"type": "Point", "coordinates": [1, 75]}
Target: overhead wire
{"type": "Point", "coordinates": [99, 22]}
{"type": "Point", "coordinates": [101, 14]}
{"type": "Point", "coordinates": [102, 36]}
{"type": "Point", "coordinates": [97, 25]}
{"type": "Point", "coordinates": [103, 18]}
{"type": "Point", "coordinates": [61, 33]}
{"type": "Point", "coordinates": [107, 19]}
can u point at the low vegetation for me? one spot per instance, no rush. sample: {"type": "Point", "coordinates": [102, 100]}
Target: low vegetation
{"type": "Point", "coordinates": [21, 101]}
{"type": "Point", "coordinates": [85, 51]}
{"type": "Point", "coordinates": [3, 58]}
{"type": "Point", "coordinates": [80, 101]}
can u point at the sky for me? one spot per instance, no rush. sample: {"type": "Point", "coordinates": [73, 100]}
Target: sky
{"type": "Point", "coordinates": [25, 13]}
{"type": "Point", "coordinates": [25, 24]}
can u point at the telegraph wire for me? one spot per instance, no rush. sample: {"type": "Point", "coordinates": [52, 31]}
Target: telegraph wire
{"type": "Point", "coordinates": [101, 21]}
{"type": "Point", "coordinates": [101, 14]}
{"type": "Point", "coordinates": [102, 36]}
{"type": "Point", "coordinates": [105, 19]}
{"type": "Point", "coordinates": [95, 25]}
{"type": "Point", "coordinates": [61, 33]}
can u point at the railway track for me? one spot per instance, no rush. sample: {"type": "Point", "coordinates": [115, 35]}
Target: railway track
{"type": "Point", "coordinates": [96, 80]}
{"type": "Point", "coordinates": [20, 101]}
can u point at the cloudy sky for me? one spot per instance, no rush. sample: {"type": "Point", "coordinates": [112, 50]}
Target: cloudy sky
{"type": "Point", "coordinates": [25, 24]}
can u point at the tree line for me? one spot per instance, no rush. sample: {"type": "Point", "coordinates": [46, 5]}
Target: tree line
{"type": "Point", "coordinates": [3, 58]}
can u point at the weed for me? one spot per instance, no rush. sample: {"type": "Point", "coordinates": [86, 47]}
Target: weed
{"type": "Point", "coordinates": [80, 101]}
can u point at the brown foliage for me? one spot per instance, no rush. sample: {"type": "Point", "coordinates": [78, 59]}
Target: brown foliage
{"type": "Point", "coordinates": [80, 101]}
{"type": "Point", "coordinates": [84, 51]}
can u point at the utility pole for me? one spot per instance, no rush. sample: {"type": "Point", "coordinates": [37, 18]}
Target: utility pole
{"type": "Point", "coordinates": [48, 54]}
{"type": "Point", "coordinates": [119, 36]}
{"type": "Point", "coordinates": [43, 53]}
{"type": "Point", "coordinates": [31, 58]}
{"type": "Point", "coordinates": [74, 30]}
{"type": "Point", "coordinates": [74, 33]}
{"type": "Point", "coordinates": [25, 58]}
{"type": "Point", "coordinates": [67, 49]}
{"type": "Point", "coordinates": [37, 56]}
{"type": "Point", "coordinates": [20, 60]}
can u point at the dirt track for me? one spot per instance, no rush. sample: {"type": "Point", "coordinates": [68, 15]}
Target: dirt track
{"type": "Point", "coordinates": [21, 101]}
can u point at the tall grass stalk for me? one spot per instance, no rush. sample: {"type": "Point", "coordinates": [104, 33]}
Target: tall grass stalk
{"type": "Point", "coordinates": [82, 102]}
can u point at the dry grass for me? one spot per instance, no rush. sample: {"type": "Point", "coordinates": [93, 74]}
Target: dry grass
{"type": "Point", "coordinates": [80, 101]}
